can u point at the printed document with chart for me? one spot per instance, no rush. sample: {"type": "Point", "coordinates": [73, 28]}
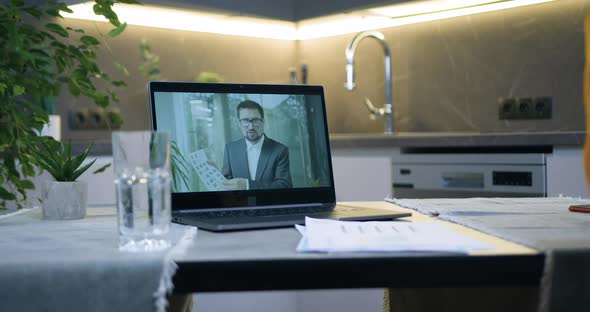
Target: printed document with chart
{"type": "Point", "coordinates": [321, 235]}
{"type": "Point", "coordinates": [210, 175]}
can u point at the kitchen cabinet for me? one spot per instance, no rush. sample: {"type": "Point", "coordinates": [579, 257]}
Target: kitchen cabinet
{"type": "Point", "coordinates": [101, 186]}
{"type": "Point", "coordinates": [305, 9]}
{"type": "Point", "coordinates": [565, 172]}
{"type": "Point", "coordinates": [288, 10]}
{"type": "Point", "coordinates": [276, 9]}
{"type": "Point", "coordinates": [362, 174]}
{"type": "Point", "coordinates": [369, 173]}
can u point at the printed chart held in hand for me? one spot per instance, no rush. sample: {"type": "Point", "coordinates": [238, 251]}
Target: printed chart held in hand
{"type": "Point", "coordinates": [208, 174]}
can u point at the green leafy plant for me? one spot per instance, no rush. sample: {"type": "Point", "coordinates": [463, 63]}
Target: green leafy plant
{"type": "Point", "coordinates": [56, 158]}
{"type": "Point", "coordinates": [315, 183]}
{"type": "Point", "coordinates": [178, 167]}
{"type": "Point", "coordinates": [150, 67]}
{"type": "Point", "coordinates": [208, 77]}
{"type": "Point", "coordinates": [38, 56]}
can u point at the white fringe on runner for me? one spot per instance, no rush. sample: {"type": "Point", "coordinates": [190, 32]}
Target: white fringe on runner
{"type": "Point", "coordinates": [165, 287]}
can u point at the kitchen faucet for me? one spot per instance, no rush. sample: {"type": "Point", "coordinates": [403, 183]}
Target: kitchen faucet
{"type": "Point", "coordinates": [387, 111]}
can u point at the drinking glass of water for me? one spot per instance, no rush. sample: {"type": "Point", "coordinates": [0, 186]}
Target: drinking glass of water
{"type": "Point", "coordinates": [142, 180]}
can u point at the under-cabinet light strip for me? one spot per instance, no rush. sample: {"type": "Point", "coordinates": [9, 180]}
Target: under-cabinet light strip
{"type": "Point", "coordinates": [349, 23]}
{"type": "Point", "coordinates": [409, 8]}
{"type": "Point", "coordinates": [340, 24]}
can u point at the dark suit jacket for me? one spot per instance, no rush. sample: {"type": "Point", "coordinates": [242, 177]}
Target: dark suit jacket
{"type": "Point", "coordinates": [273, 164]}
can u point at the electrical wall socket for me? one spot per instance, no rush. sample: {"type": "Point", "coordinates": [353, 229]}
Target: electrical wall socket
{"type": "Point", "coordinates": [94, 118]}
{"type": "Point", "coordinates": [525, 108]}
{"type": "Point", "coordinates": [77, 118]}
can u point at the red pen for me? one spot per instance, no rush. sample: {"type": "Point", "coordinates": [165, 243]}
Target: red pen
{"type": "Point", "coordinates": [580, 208]}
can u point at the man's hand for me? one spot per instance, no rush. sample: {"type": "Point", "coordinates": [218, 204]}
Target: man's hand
{"type": "Point", "coordinates": [237, 184]}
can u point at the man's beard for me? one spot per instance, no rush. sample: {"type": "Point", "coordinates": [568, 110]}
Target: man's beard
{"type": "Point", "coordinates": [253, 136]}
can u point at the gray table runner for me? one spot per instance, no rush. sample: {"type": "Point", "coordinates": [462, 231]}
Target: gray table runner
{"type": "Point", "coordinates": [544, 224]}
{"type": "Point", "coordinates": [76, 266]}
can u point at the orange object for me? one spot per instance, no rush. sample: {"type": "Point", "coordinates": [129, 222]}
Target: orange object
{"type": "Point", "coordinates": [587, 100]}
{"type": "Point", "coordinates": [580, 208]}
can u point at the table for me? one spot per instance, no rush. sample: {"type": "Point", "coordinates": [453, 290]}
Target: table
{"type": "Point", "coordinates": [267, 260]}
{"type": "Point", "coordinates": [246, 260]}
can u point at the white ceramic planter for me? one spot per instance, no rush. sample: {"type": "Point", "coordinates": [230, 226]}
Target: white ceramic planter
{"type": "Point", "coordinates": [64, 200]}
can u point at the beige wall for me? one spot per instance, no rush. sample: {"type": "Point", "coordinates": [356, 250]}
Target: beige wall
{"type": "Point", "coordinates": [447, 74]}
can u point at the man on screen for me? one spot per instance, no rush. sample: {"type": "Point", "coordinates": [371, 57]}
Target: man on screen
{"type": "Point", "coordinates": [255, 161]}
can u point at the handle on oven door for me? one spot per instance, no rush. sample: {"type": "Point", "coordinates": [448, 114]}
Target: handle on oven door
{"type": "Point", "coordinates": [463, 179]}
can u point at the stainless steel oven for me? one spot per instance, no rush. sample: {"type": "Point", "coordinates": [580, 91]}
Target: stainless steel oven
{"type": "Point", "coordinates": [474, 174]}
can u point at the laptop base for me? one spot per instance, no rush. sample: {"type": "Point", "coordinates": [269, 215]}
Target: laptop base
{"type": "Point", "coordinates": [224, 224]}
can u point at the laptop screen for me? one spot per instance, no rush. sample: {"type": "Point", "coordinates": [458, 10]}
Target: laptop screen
{"type": "Point", "coordinates": [238, 145]}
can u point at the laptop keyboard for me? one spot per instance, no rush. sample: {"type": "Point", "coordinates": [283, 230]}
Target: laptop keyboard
{"type": "Point", "coordinates": [258, 212]}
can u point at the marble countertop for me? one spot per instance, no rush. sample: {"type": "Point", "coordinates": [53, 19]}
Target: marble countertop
{"type": "Point", "coordinates": [455, 139]}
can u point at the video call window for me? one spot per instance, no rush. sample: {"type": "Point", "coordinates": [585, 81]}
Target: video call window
{"type": "Point", "coordinates": [208, 140]}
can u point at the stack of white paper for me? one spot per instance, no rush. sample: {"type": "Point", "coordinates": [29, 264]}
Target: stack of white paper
{"type": "Point", "coordinates": [321, 235]}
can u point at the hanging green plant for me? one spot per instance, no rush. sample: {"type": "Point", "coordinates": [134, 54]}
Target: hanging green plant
{"type": "Point", "coordinates": [38, 56]}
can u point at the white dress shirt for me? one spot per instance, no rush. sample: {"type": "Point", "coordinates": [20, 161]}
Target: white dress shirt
{"type": "Point", "coordinates": [254, 155]}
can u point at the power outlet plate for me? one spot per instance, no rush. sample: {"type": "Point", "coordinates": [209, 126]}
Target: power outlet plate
{"type": "Point", "coordinates": [524, 108]}
{"type": "Point", "coordinates": [95, 118]}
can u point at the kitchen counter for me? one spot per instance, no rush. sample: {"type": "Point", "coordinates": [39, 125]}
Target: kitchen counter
{"type": "Point", "coordinates": [422, 139]}
{"type": "Point", "coordinates": [455, 139]}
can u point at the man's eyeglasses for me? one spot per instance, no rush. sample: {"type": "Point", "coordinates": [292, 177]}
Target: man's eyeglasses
{"type": "Point", "coordinates": [256, 122]}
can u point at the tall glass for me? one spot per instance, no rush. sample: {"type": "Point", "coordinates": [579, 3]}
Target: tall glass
{"type": "Point", "coordinates": [142, 181]}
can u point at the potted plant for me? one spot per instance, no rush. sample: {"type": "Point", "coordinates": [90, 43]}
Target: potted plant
{"type": "Point", "coordinates": [37, 57]}
{"type": "Point", "coordinates": [65, 198]}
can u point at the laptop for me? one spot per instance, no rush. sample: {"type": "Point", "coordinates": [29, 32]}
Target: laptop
{"type": "Point", "coordinates": [250, 156]}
